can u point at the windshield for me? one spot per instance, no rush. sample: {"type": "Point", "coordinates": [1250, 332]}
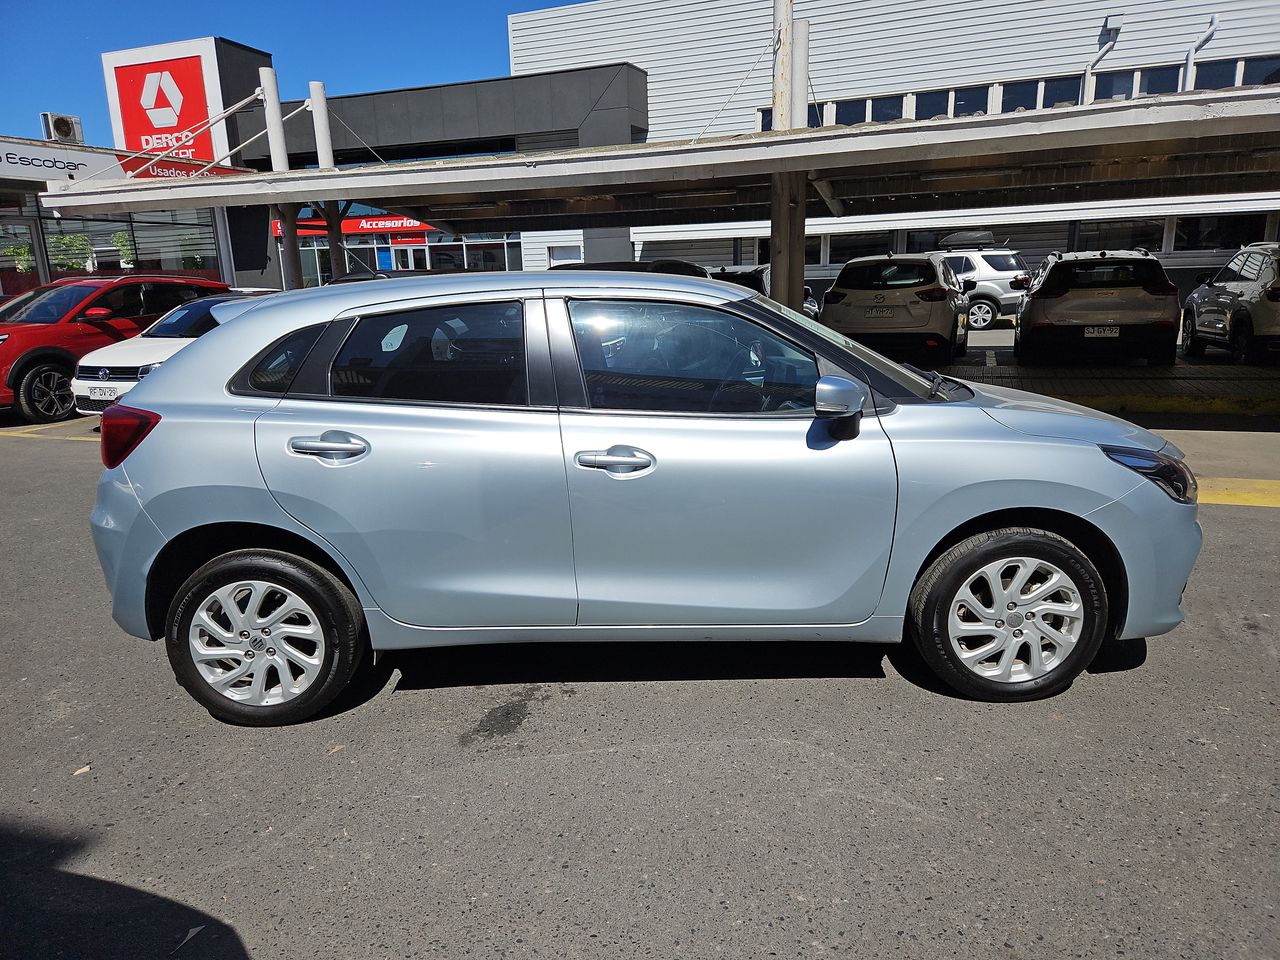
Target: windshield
{"type": "Point", "coordinates": [45, 304]}
{"type": "Point", "coordinates": [913, 382]}
{"type": "Point", "coordinates": [188, 321]}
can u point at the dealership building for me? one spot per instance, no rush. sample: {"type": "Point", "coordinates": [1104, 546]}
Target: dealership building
{"type": "Point", "coordinates": [605, 79]}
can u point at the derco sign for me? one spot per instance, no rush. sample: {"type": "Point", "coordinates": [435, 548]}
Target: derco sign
{"type": "Point", "coordinates": [160, 103]}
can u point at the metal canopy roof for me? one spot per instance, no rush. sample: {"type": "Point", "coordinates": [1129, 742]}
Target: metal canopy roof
{"type": "Point", "coordinates": [1179, 144]}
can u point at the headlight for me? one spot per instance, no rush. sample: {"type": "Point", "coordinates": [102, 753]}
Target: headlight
{"type": "Point", "coordinates": [1168, 473]}
{"type": "Point", "coordinates": [149, 368]}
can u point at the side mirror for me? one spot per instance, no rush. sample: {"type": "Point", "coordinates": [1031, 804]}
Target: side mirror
{"type": "Point", "coordinates": [97, 314]}
{"type": "Point", "coordinates": [1203, 278]}
{"type": "Point", "coordinates": [808, 292]}
{"type": "Point", "coordinates": [1018, 283]}
{"type": "Point", "coordinates": [969, 285]}
{"type": "Point", "coordinates": [841, 400]}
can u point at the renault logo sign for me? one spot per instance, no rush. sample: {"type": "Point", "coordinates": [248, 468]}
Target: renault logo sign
{"type": "Point", "coordinates": [153, 86]}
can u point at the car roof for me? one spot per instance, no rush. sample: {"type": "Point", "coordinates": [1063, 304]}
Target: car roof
{"type": "Point", "coordinates": [1265, 246]}
{"type": "Point", "coordinates": [347, 296]}
{"type": "Point", "coordinates": [910, 257]}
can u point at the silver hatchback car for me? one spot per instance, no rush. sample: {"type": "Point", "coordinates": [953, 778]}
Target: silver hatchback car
{"type": "Point", "coordinates": [515, 457]}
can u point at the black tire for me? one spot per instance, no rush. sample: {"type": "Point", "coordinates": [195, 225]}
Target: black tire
{"type": "Point", "coordinates": [1244, 347]}
{"type": "Point", "coordinates": [959, 347]}
{"type": "Point", "coordinates": [1164, 356]}
{"type": "Point", "coordinates": [43, 394]}
{"type": "Point", "coordinates": [337, 611]}
{"type": "Point", "coordinates": [946, 352]}
{"type": "Point", "coordinates": [995, 313]}
{"type": "Point", "coordinates": [931, 597]}
{"type": "Point", "coordinates": [1027, 355]}
{"type": "Point", "coordinates": [1192, 346]}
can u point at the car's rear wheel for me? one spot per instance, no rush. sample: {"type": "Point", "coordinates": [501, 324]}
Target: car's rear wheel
{"type": "Point", "coordinates": [264, 638]}
{"type": "Point", "coordinates": [43, 394]}
{"type": "Point", "coordinates": [1011, 614]}
{"type": "Point", "coordinates": [1244, 348]}
{"type": "Point", "coordinates": [983, 314]}
{"type": "Point", "coordinates": [1192, 346]}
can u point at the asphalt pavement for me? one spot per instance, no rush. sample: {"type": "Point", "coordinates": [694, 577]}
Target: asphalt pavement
{"type": "Point", "coordinates": [648, 800]}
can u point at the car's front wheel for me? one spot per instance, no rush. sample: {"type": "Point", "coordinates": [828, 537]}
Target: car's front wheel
{"type": "Point", "coordinates": [1192, 345]}
{"type": "Point", "coordinates": [43, 394]}
{"type": "Point", "coordinates": [1010, 614]}
{"type": "Point", "coordinates": [263, 638]}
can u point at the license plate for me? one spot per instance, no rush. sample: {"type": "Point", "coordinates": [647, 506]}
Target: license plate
{"type": "Point", "coordinates": [1102, 332]}
{"type": "Point", "coordinates": [878, 313]}
{"type": "Point", "coordinates": [103, 393]}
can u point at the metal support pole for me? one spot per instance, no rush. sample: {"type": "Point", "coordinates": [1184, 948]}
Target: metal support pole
{"type": "Point", "coordinates": [800, 75]}
{"type": "Point", "coordinates": [320, 120]}
{"type": "Point", "coordinates": [782, 50]}
{"type": "Point", "coordinates": [786, 239]}
{"type": "Point", "coordinates": [274, 117]}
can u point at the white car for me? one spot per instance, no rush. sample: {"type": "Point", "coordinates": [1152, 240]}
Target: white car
{"type": "Point", "coordinates": [105, 375]}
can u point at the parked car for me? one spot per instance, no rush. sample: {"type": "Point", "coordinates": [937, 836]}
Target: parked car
{"type": "Point", "coordinates": [45, 331]}
{"type": "Point", "coordinates": [901, 303]}
{"type": "Point", "coordinates": [974, 255]}
{"type": "Point", "coordinates": [757, 278]}
{"type": "Point", "coordinates": [678, 268]}
{"type": "Point", "coordinates": [104, 376]}
{"type": "Point", "coordinates": [1117, 303]}
{"type": "Point", "coordinates": [1238, 308]}
{"type": "Point", "coordinates": [395, 465]}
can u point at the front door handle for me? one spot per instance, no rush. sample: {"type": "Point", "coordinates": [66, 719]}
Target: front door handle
{"type": "Point", "coordinates": [330, 446]}
{"type": "Point", "coordinates": [616, 460]}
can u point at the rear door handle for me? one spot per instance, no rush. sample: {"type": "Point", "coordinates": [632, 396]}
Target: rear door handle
{"type": "Point", "coordinates": [330, 445]}
{"type": "Point", "coordinates": [616, 460]}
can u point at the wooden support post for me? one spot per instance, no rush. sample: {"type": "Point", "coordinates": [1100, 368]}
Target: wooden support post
{"type": "Point", "coordinates": [786, 239]}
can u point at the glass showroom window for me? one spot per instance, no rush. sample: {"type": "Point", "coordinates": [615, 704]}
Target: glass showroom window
{"type": "Point", "coordinates": [1117, 85]}
{"type": "Point", "coordinates": [932, 104]}
{"type": "Point", "coordinates": [886, 108]}
{"type": "Point", "coordinates": [1230, 232]}
{"type": "Point", "coordinates": [1120, 235]}
{"type": "Point", "coordinates": [1154, 80]}
{"type": "Point", "coordinates": [849, 246]}
{"type": "Point", "coordinates": [1262, 70]}
{"type": "Point", "coordinates": [1022, 95]}
{"type": "Point", "coordinates": [971, 101]}
{"type": "Point", "coordinates": [1062, 92]}
{"type": "Point", "coordinates": [1216, 75]}
{"type": "Point", "coordinates": [922, 241]}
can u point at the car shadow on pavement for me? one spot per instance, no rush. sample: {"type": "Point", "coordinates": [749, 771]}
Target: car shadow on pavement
{"type": "Point", "coordinates": [50, 912]}
{"type": "Point", "coordinates": [1116, 656]}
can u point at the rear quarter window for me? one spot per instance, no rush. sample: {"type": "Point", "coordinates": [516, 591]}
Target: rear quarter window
{"type": "Point", "coordinates": [1005, 262]}
{"type": "Point", "coordinates": [273, 370]}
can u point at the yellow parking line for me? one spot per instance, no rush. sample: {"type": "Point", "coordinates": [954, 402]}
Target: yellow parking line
{"type": "Point", "coordinates": [28, 435]}
{"type": "Point", "coordinates": [1241, 492]}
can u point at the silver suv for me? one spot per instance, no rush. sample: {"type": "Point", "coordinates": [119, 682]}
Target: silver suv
{"type": "Point", "coordinates": [973, 255]}
{"type": "Point", "coordinates": [489, 458]}
{"type": "Point", "coordinates": [1117, 303]}
{"type": "Point", "coordinates": [1238, 308]}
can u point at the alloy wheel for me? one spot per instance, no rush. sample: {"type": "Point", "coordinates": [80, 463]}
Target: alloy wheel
{"type": "Point", "coordinates": [1015, 619]}
{"type": "Point", "coordinates": [51, 394]}
{"type": "Point", "coordinates": [981, 315]}
{"type": "Point", "coordinates": [256, 642]}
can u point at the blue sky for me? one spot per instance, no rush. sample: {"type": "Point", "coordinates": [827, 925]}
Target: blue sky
{"type": "Point", "coordinates": [51, 51]}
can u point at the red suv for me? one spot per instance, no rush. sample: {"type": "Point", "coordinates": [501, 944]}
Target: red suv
{"type": "Point", "coordinates": [44, 331]}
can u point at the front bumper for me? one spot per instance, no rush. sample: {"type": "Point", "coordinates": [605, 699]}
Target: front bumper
{"type": "Point", "coordinates": [1158, 540]}
{"type": "Point", "coordinates": [91, 406]}
{"type": "Point", "coordinates": [127, 542]}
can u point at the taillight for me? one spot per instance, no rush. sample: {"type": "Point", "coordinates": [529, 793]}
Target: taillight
{"type": "Point", "coordinates": [1161, 287]}
{"type": "Point", "coordinates": [832, 296]}
{"type": "Point", "coordinates": [932, 295]}
{"type": "Point", "coordinates": [123, 428]}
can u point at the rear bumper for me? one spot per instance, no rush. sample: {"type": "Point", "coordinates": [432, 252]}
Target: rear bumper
{"type": "Point", "coordinates": [890, 343]}
{"type": "Point", "coordinates": [1134, 339]}
{"type": "Point", "coordinates": [127, 541]}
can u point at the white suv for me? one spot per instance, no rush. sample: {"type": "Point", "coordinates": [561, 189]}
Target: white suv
{"type": "Point", "coordinates": [900, 303]}
{"type": "Point", "coordinates": [973, 255]}
{"type": "Point", "coordinates": [1237, 309]}
{"type": "Point", "coordinates": [1110, 302]}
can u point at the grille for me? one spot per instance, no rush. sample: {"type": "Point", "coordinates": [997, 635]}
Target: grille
{"type": "Point", "coordinates": [86, 405]}
{"type": "Point", "coordinates": [113, 373]}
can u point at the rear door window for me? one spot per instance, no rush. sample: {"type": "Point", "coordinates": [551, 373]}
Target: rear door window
{"type": "Point", "coordinates": [887, 275]}
{"type": "Point", "coordinates": [469, 353]}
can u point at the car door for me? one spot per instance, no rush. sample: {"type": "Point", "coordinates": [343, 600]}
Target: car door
{"type": "Point", "coordinates": [425, 447]}
{"type": "Point", "coordinates": [127, 304]}
{"type": "Point", "coordinates": [702, 489]}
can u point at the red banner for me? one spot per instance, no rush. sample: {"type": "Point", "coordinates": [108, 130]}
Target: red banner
{"type": "Point", "coordinates": [406, 229]}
